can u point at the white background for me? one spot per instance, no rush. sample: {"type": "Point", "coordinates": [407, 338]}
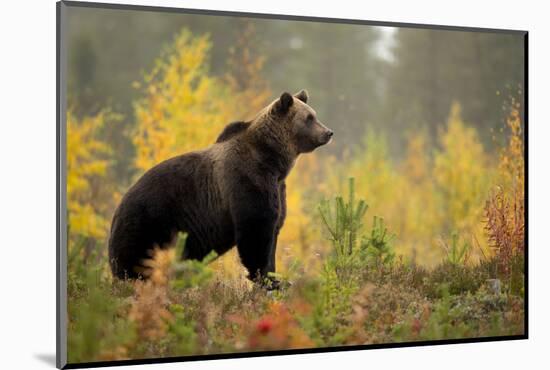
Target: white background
{"type": "Point", "coordinates": [27, 182]}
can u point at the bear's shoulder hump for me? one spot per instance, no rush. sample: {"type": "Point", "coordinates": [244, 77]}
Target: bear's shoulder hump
{"type": "Point", "coordinates": [231, 130]}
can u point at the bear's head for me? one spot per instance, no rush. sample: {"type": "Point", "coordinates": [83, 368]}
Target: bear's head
{"type": "Point", "coordinates": [295, 120]}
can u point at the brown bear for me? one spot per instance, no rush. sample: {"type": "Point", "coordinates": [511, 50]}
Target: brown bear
{"type": "Point", "coordinates": [231, 193]}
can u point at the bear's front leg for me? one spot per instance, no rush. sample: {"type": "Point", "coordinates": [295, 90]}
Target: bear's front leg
{"type": "Point", "coordinates": [280, 222]}
{"type": "Point", "coordinates": [256, 245]}
{"type": "Point", "coordinates": [256, 218]}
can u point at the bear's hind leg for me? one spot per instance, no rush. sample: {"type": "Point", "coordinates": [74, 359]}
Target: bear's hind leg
{"type": "Point", "coordinates": [127, 251]}
{"type": "Point", "coordinates": [126, 265]}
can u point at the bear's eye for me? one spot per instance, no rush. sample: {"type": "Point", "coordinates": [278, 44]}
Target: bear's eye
{"type": "Point", "coordinates": [309, 118]}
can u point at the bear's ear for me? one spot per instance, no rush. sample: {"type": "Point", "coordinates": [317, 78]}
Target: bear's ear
{"type": "Point", "coordinates": [284, 103]}
{"type": "Point", "coordinates": [302, 95]}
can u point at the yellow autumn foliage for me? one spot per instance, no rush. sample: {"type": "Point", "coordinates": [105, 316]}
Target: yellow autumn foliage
{"type": "Point", "coordinates": [184, 107]}
{"type": "Point", "coordinates": [421, 214]}
{"type": "Point", "coordinates": [377, 180]}
{"type": "Point", "coordinates": [462, 175]}
{"type": "Point", "coordinates": [511, 167]}
{"type": "Point", "coordinates": [88, 159]}
{"type": "Point", "coordinates": [426, 196]}
{"type": "Point", "coordinates": [299, 238]}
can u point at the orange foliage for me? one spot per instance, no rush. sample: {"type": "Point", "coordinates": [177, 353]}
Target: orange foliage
{"type": "Point", "coordinates": [278, 329]}
{"type": "Point", "coordinates": [149, 309]}
{"type": "Point", "coordinates": [505, 208]}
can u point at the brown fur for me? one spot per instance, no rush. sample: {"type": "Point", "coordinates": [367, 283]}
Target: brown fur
{"type": "Point", "coordinates": [231, 193]}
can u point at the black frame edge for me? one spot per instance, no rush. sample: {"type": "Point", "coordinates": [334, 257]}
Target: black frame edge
{"type": "Point", "coordinates": [303, 351]}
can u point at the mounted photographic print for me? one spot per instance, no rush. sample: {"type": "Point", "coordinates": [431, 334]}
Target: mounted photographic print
{"type": "Point", "coordinates": [236, 184]}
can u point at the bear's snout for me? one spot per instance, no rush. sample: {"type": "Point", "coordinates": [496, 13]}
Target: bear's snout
{"type": "Point", "coordinates": [327, 136]}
